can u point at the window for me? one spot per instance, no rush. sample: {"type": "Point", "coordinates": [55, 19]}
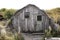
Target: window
{"type": "Point", "coordinates": [39, 18]}
{"type": "Point", "coordinates": [26, 15]}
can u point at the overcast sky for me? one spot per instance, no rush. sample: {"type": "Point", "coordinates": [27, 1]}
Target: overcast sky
{"type": "Point", "coordinates": [18, 4]}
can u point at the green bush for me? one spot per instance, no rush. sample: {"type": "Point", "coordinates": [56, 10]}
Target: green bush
{"type": "Point", "coordinates": [48, 32]}
{"type": "Point", "coordinates": [18, 37]}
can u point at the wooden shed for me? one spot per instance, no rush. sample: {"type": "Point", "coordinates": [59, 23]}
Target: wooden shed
{"type": "Point", "coordinates": [30, 19]}
{"type": "Point", "coordinates": [31, 22]}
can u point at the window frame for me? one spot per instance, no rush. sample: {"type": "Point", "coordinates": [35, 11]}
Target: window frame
{"type": "Point", "coordinates": [40, 18]}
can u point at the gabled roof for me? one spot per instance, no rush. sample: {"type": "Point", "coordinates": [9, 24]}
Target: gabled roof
{"type": "Point", "coordinates": [24, 8]}
{"type": "Point", "coordinates": [30, 5]}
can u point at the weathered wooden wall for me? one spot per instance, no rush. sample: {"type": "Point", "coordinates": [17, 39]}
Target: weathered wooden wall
{"type": "Point", "coordinates": [31, 23]}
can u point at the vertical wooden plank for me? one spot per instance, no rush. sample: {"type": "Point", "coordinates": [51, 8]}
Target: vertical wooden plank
{"type": "Point", "coordinates": [26, 20]}
{"type": "Point", "coordinates": [26, 24]}
{"type": "Point", "coordinates": [18, 25]}
{"type": "Point", "coordinates": [32, 23]}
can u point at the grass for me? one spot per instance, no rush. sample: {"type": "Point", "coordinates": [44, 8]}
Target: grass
{"type": "Point", "coordinates": [11, 36]}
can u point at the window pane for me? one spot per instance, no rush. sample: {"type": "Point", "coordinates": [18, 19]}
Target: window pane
{"type": "Point", "coordinates": [26, 15]}
{"type": "Point", "coordinates": [39, 18]}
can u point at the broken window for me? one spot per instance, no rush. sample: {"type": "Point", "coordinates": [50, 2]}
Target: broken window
{"type": "Point", "coordinates": [39, 18]}
{"type": "Point", "coordinates": [26, 15]}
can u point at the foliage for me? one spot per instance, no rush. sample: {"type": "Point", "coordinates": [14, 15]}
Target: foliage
{"type": "Point", "coordinates": [7, 37]}
{"type": "Point", "coordinates": [54, 13]}
{"type": "Point", "coordinates": [48, 32]}
{"type": "Point", "coordinates": [52, 33]}
{"type": "Point", "coordinates": [11, 36]}
{"type": "Point", "coordinates": [3, 10]}
{"type": "Point", "coordinates": [7, 13]}
{"type": "Point", "coordinates": [19, 37]}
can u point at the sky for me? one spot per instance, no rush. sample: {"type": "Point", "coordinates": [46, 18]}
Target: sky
{"type": "Point", "coordinates": [18, 4]}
